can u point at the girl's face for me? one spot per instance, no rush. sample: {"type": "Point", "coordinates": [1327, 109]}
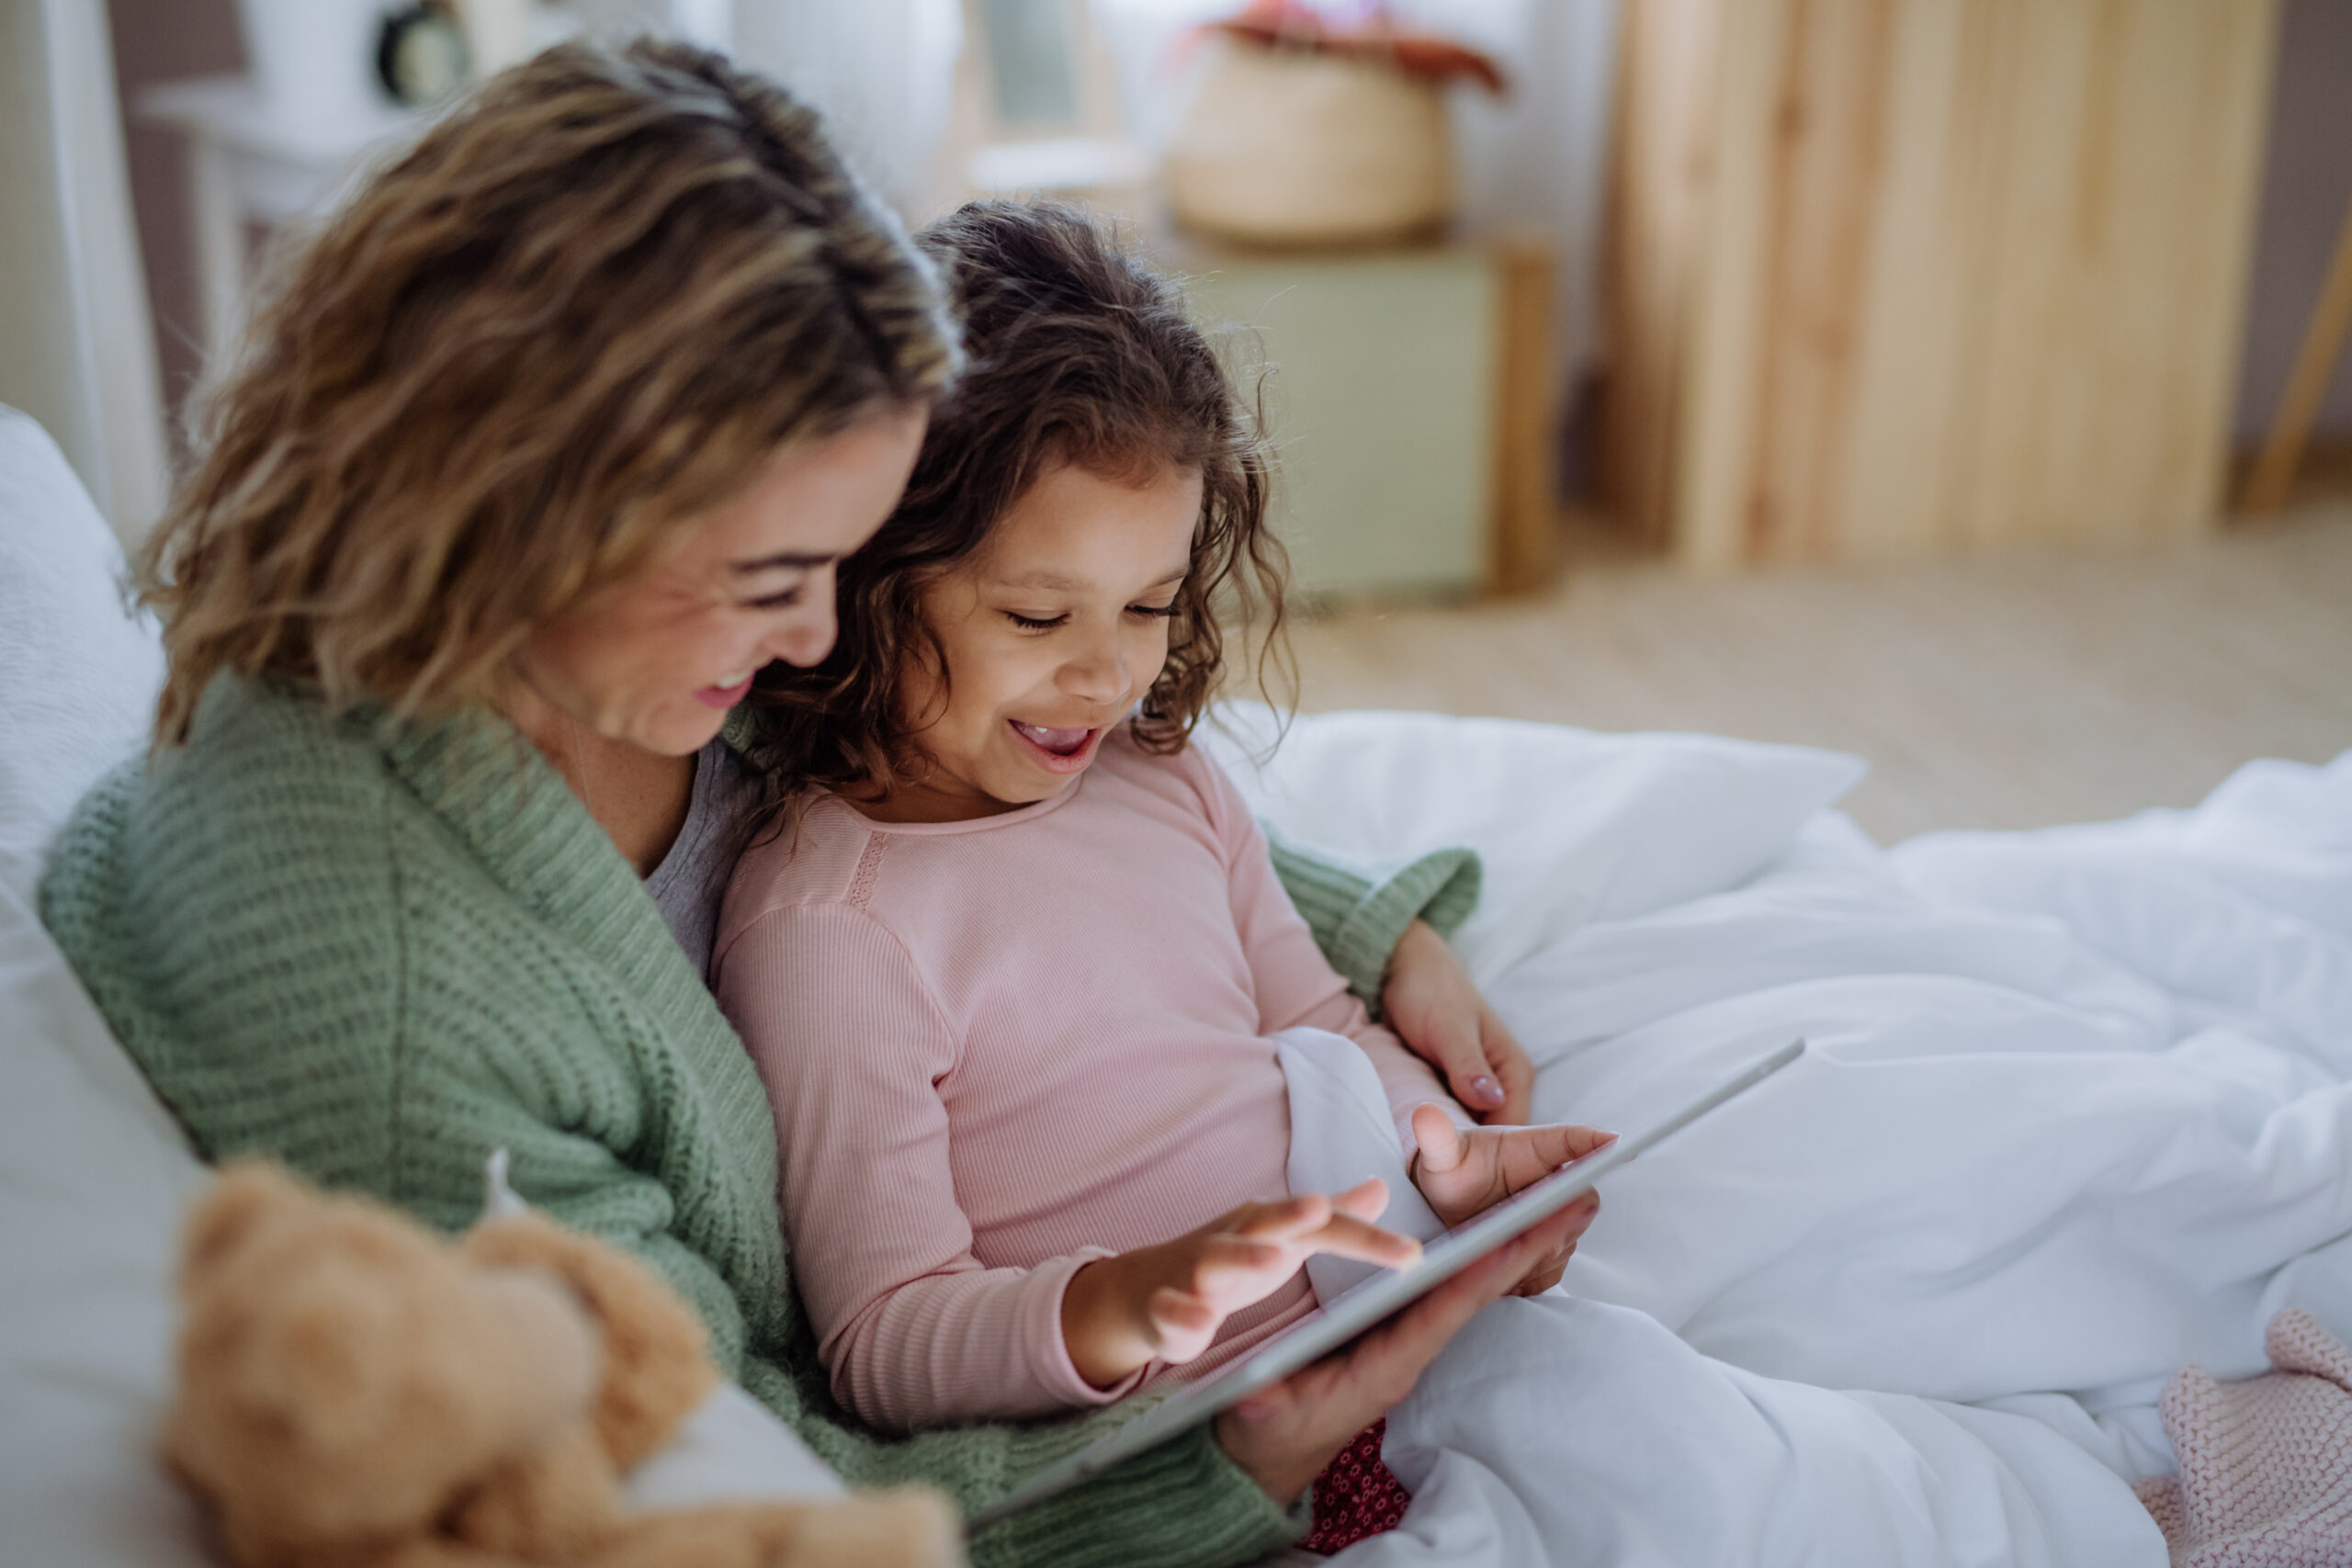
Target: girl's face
{"type": "Point", "coordinates": [1053, 630]}
{"type": "Point", "coordinates": [657, 661]}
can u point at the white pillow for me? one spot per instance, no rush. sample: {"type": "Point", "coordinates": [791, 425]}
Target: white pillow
{"type": "Point", "coordinates": [78, 671]}
{"type": "Point", "coordinates": [1573, 826]}
{"type": "Point", "coordinates": [94, 1176]}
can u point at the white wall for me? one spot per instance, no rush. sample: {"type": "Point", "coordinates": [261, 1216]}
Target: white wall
{"type": "Point", "coordinates": [75, 348]}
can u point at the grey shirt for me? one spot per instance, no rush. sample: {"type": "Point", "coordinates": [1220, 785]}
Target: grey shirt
{"type": "Point", "coordinates": [691, 882]}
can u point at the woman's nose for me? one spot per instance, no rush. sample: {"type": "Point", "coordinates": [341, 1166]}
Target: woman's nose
{"type": "Point", "coordinates": [807, 636]}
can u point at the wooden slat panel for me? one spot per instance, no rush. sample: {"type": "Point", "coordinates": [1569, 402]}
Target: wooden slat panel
{"type": "Point", "coordinates": [2120, 245]}
{"type": "Point", "coordinates": [1661, 175]}
{"type": "Point", "coordinates": [1715, 425]}
{"type": "Point", "coordinates": [1890, 293]}
{"type": "Point", "coordinates": [1964, 271]}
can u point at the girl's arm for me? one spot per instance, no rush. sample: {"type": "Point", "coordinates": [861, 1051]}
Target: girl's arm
{"type": "Point", "coordinates": [914, 1330]}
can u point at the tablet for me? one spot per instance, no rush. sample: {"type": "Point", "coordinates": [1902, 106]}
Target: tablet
{"type": "Point", "coordinates": [1373, 1301]}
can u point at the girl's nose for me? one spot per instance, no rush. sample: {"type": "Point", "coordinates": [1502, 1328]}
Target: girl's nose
{"type": "Point", "coordinates": [1098, 674]}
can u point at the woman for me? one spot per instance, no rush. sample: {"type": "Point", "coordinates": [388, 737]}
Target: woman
{"type": "Point", "coordinates": [548, 442]}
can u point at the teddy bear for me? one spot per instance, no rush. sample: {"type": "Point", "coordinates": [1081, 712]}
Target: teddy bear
{"type": "Point", "coordinates": [355, 1392]}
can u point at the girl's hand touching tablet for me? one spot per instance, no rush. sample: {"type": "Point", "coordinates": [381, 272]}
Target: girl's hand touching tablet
{"type": "Point", "coordinates": [1430, 1001]}
{"type": "Point", "coordinates": [1284, 1434]}
{"type": "Point", "coordinates": [1165, 1302]}
{"type": "Point", "coordinates": [1466, 1171]}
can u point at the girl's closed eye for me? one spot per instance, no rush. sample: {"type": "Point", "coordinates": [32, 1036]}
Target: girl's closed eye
{"type": "Point", "coordinates": [1047, 623]}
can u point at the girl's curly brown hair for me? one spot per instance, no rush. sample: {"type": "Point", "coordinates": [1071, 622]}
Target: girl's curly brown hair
{"type": "Point", "coordinates": [1077, 353]}
{"type": "Point", "coordinates": [591, 303]}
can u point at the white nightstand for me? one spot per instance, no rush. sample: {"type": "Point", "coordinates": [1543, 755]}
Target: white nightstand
{"type": "Point", "coordinates": [249, 163]}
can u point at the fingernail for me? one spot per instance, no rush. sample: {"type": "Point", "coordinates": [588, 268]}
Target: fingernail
{"type": "Point", "coordinates": [1486, 1090]}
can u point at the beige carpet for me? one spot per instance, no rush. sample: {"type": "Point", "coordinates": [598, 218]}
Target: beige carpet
{"type": "Point", "coordinates": [1998, 692]}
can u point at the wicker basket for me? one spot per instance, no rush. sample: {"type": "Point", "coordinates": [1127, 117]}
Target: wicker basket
{"type": "Point", "coordinates": [1297, 147]}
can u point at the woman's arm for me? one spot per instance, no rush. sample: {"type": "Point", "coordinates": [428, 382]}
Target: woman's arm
{"type": "Point", "coordinates": [1435, 1008]}
{"type": "Point", "coordinates": [298, 980]}
{"type": "Point", "coordinates": [1384, 926]}
{"type": "Point", "coordinates": [1358, 910]}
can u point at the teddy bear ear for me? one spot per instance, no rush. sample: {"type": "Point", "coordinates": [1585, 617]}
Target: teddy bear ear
{"type": "Point", "coordinates": [236, 1209]}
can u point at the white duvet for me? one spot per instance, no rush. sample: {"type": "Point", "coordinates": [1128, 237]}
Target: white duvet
{"type": "Point", "coordinates": [2075, 1114]}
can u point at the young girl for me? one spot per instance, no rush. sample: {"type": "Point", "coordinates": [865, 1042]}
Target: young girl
{"type": "Point", "coordinates": [1009, 973]}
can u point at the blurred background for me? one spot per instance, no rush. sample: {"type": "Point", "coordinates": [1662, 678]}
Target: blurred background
{"type": "Point", "coordinates": [1958, 382]}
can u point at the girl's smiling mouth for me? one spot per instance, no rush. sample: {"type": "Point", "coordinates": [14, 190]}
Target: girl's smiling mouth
{"type": "Point", "coordinates": [1056, 751]}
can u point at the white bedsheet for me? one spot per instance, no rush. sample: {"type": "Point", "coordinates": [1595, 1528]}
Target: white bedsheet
{"type": "Point", "coordinates": [2075, 1114]}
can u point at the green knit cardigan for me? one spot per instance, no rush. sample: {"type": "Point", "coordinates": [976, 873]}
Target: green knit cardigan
{"type": "Point", "coordinates": [378, 952]}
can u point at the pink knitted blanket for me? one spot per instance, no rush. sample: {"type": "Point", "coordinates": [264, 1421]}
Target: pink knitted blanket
{"type": "Point", "coordinates": [2266, 1465]}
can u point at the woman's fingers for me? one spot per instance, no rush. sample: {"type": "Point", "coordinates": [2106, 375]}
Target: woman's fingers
{"type": "Point", "coordinates": [1284, 1434]}
{"type": "Point", "coordinates": [1387, 1361]}
{"type": "Point", "coordinates": [1429, 999]}
{"type": "Point", "coordinates": [1514, 1074]}
{"type": "Point", "coordinates": [1553, 1243]}
{"type": "Point", "coordinates": [1531, 1154]}
{"type": "Point", "coordinates": [1582, 1140]}
{"type": "Point", "coordinates": [1461, 1056]}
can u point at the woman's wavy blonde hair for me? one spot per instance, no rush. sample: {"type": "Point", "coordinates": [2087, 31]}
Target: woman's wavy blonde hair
{"type": "Point", "coordinates": [592, 302]}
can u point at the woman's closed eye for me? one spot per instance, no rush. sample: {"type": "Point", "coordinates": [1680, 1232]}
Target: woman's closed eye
{"type": "Point", "coordinates": [781, 599]}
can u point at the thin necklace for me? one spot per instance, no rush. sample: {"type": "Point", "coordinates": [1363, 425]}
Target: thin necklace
{"type": "Point", "coordinates": [579, 768]}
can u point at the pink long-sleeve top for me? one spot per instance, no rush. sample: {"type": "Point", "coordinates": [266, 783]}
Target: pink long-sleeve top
{"type": "Point", "coordinates": [999, 1048]}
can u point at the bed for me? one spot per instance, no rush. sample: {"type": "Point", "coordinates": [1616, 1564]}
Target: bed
{"type": "Point", "coordinates": [2075, 1115]}
{"type": "Point", "coordinates": [2077, 1112]}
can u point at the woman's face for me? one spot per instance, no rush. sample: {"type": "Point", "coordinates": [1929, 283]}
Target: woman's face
{"type": "Point", "coordinates": [1053, 630]}
{"type": "Point", "coordinates": [657, 661]}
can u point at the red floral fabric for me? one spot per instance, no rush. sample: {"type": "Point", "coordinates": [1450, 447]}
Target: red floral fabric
{"type": "Point", "coordinates": [1357, 1494]}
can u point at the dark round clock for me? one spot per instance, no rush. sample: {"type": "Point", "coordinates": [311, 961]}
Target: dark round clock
{"type": "Point", "coordinates": [420, 55]}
